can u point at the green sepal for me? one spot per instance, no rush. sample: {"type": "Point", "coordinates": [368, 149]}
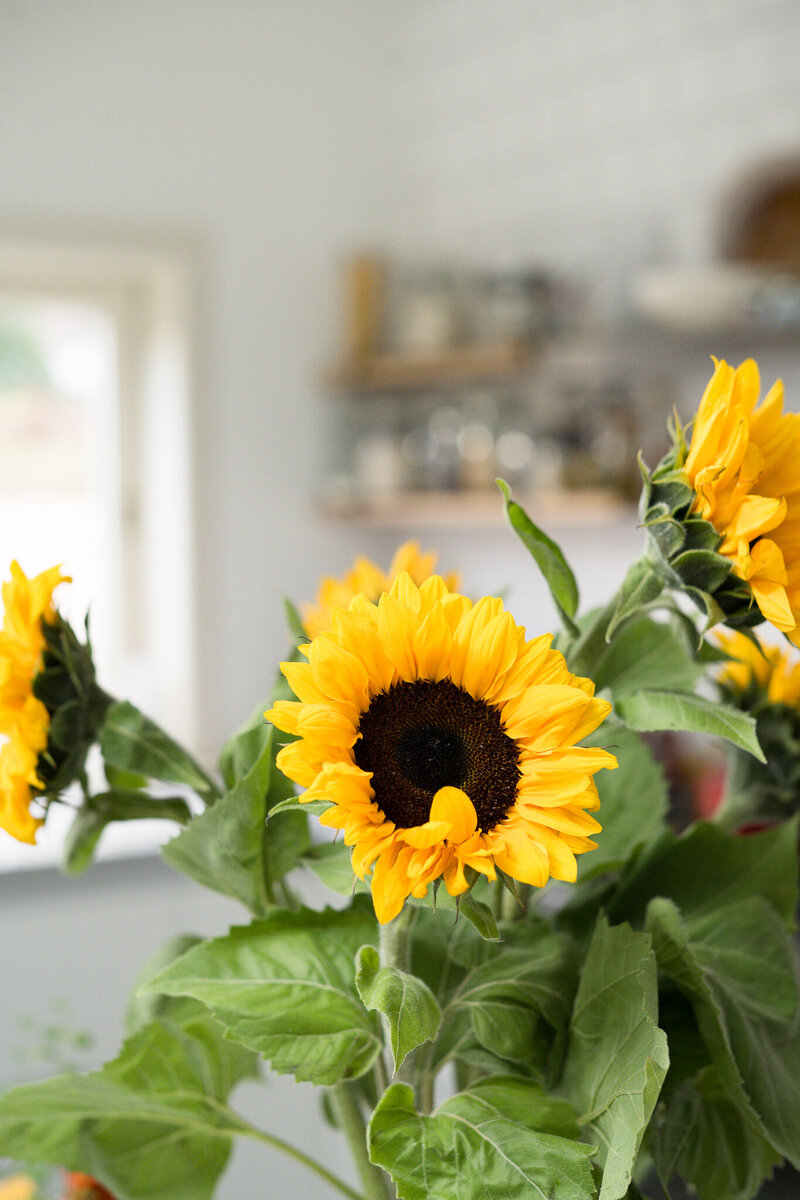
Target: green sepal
{"type": "Point", "coordinates": [640, 587]}
{"type": "Point", "coordinates": [548, 557]}
{"type": "Point", "coordinates": [704, 570]}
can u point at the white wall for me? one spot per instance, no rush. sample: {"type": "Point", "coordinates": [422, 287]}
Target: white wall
{"type": "Point", "coordinates": [583, 135]}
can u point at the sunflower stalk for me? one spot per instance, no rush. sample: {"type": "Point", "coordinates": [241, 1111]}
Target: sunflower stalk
{"type": "Point", "coordinates": [351, 1120]}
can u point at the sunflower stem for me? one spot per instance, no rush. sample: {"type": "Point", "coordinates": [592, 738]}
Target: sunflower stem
{"type": "Point", "coordinates": [395, 940]}
{"type": "Point", "coordinates": [351, 1120]}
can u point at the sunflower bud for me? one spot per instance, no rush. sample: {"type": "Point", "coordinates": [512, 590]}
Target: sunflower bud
{"type": "Point", "coordinates": [723, 513]}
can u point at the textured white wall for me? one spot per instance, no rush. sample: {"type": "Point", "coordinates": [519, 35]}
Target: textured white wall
{"type": "Point", "coordinates": [585, 135]}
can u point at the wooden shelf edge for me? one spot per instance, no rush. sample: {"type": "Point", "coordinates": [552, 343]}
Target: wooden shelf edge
{"type": "Point", "coordinates": [387, 372]}
{"type": "Point", "coordinates": [468, 509]}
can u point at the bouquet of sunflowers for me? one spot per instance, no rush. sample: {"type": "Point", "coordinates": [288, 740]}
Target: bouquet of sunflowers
{"type": "Point", "coordinates": [524, 984]}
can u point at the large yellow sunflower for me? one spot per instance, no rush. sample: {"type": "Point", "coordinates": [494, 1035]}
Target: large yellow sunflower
{"type": "Point", "coordinates": [744, 465]}
{"type": "Point", "coordinates": [774, 672]}
{"type": "Point", "coordinates": [444, 740]}
{"type": "Point", "coordinates": [24, 720]}
{"type": "Point", "coordinates": [366, 578]}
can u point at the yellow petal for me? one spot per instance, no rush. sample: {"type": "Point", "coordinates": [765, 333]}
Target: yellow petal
{"type": "Point", "coordinates": [454, 808]}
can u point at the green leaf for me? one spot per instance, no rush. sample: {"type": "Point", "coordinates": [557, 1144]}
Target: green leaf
{"type": "Point", "coordinates": [285, 987]}
{"type": "Point", "coordinates": [736, 966]}
{"type": "Point", "coordinates": [640, 587]}
{"type": "Point", "coordinates": [130, 741]}
{"type": "Point", "coordinates": [103, 809]}
{"type": "Point", "coordinates": [633, 801]}
{"type": "Point", "coordinates": [652, 709]}
{"type": "Point", "coordinates": [143, 1009]}
{"type": "Point", "coordinates": [706, 868]}
{"type": "Point", "coordinates": [293, 804]}
{"type": "Point", "coordinates": [294, 620]}
{"type": "Point", "coordinates": [645, 654]}
{"type": "Point", "coordinates": [502, 1137]}
{"type": "Point", "coordinates": [548, 557]}
{"type": "Point", "coordinates": [616, 1054]}
{"type": "Point", "coordinates": [152, 1123]}
{"type": "Point", "coordinates": [330, 862]}
{"type": "Point", "coordinates": [702, 1136]}
{"type": "Point", "coordinates": [230, 847]}
{"type": "Point", "coordinates": [409, 1006]}
{"type": "Point", "coordinates": [508, 997]}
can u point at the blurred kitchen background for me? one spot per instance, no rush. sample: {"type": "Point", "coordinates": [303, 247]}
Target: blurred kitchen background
{"type": "Point", "coordinates": [286, 281]}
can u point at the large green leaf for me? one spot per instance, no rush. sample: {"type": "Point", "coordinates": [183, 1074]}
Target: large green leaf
{"type": "Point", "coordinates": [502, 1137]}
{"type": "Point", "coordinates": [702, 1136]}
{"type": "Point", "coordinates": [548, 557]}
{"type": "Point", "coordinates": [652, 709]}
{"type": "Point", "coordinates": [646, 654]}
{"type": "Point", "coordinates": [633, 801]}
{"type": "Point", "coordinates": [130, 741]}
{"type": "Point", "coordinates": [706, 868]}
{"type": "Point", "coordinates": [230, 847]}
{"type": "Point", "coordinates": [101, 810]}
{"type": "Point", "coordinates": [411, 1010]}
{"type": "Point", "coordinates": [737, 967]}
{"type": "Point", "coordinates": [616, 1054]}
{"type": "Point", "coordinates": [151, 1124]}
{"type": "Point", "coordinates": [514, 1003]}
{"type": "Point", "coordinates": [285, 986]}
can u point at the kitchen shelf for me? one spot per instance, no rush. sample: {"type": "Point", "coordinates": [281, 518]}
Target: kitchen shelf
{"type": "Point", "coordinates": [550, 507]}
{"type": "Point", "coordinates": [404, 372]}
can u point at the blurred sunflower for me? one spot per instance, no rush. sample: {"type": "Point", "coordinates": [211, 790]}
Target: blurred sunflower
{"type": "Point", "coordinates": [443, 740]}
{"type": "Point", "coordinates": [744, 466]}
{"type": "Point", "coordinates": [367, 579]}
{"type": "Point", "coordinates": [24, 719]}
{"type": "Point", "coordinates": [760, 671]}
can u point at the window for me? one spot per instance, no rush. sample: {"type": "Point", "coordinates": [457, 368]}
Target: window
{"type": "Point", "coordinates": [95, 424]}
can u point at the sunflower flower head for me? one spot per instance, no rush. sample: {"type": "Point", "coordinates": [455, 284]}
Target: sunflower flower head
{"type": "Point", "coordinates": [764, 680]}
{"type": "Point", "coordinates": [444, 741]}
{"type": "Point", "coordinates": [759, 673]}
{"type": "Point", "coordinates": [367, 579]}
{"type": "Point", "coordinates": [725, 510]}
{"type": "Point", "coordinates": [46, 679]}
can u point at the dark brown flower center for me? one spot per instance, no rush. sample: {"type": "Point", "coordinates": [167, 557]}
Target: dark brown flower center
{"type": "Point", "coordinates": [422, 736]}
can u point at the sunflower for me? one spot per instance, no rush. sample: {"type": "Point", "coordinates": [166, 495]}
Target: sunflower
{"type": "Point", "coordinates": [367, 579]}
{"type": "Point", "coordinates": [444, 741]}
{"type": "Point", "coordinates": [760, 669]}
{"type": "Point", "coordinates": [743, 466]}
{"type": "Point", "coordinates": [24, 720]}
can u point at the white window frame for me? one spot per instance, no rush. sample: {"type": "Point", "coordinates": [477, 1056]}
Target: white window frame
{"type": "Point", "coordinates": [149, 290]}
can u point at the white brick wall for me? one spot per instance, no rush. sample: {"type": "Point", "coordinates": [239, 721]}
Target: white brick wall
{"type": "Point", "coordinates": [587, 134]}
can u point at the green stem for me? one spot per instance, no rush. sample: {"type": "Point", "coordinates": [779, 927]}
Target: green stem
{"type": "Point", "coordinates": [312, 1165]}
{"type": "Point", "coordinates": [395, 940]}
{"type": "Point", "coordinates": [351, 1120]}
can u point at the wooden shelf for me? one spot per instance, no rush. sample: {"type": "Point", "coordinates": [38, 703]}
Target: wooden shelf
{"type": "Point", "coordinates": [550, 507]}
{"type": "Point", "coordinates": [403, 372]}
